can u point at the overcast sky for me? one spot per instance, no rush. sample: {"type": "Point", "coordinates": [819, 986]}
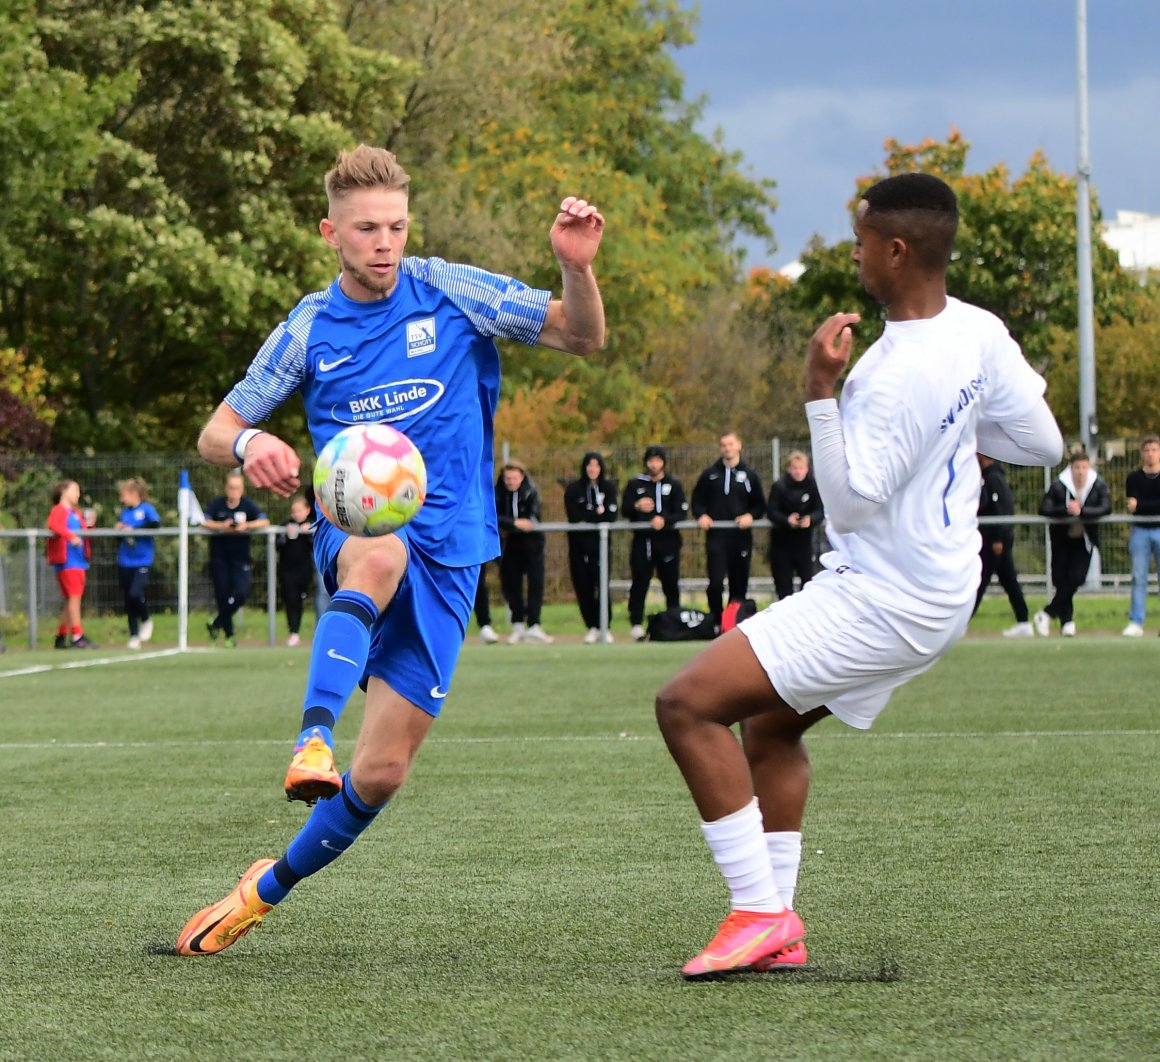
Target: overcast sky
{"type": "Point", "coordinates": [808, 91]}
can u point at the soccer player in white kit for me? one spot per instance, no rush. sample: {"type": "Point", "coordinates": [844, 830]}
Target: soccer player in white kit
{"type": "Point", "coordinates": [896, 465]}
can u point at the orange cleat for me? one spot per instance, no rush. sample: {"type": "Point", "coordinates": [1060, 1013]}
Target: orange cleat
{"type": "Point", "coordinates": [311, 775]}
{"type": "Point", "coordinates": [216, 927]}
{"type": "Point", "coordinates": [791, 958]}
{"type": "Point", "coordinates": [742, 940]}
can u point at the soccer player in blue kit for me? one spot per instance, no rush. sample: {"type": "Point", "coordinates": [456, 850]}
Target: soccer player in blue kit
{"type": "Point", "coordinates": [406, 341]}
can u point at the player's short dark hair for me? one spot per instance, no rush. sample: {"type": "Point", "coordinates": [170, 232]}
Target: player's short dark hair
{"type": "Point", "coordinates": [1150, 438]}
{"type": "Point", "coordinates": [920, 209]}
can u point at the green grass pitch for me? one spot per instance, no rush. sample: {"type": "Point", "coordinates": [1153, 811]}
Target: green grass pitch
{"type": "Point", "coordinates": [979, 877]}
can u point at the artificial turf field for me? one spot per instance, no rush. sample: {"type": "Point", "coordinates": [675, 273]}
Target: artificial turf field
{"type": "Point", "coordinates": [979, 878]}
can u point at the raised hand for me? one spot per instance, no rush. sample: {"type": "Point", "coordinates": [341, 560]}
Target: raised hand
{"type": "Point", "coordinates": [829, 353]}
{"type": "Point", "coordinates": [576, 234]}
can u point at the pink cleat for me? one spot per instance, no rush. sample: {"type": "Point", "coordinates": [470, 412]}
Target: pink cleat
{"type": "Point", "coordinates": [791, 958]}
{"type": "Point", "coordinates": [743, 940]}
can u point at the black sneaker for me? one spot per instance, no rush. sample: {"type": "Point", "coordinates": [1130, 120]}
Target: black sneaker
{"type": "Point", "coordinates": [81, 642]}
{"type": "Point", "coordinates": [61, 641]}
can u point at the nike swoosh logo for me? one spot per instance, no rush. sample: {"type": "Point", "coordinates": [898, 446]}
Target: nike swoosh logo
{"type": "Point", "coordinates": [437, 693]}
{"type": "Point", "coordinates": [334, 848]}
{"type": "Point", "coordinates": [326, 366]}
{"type": "Point", "coordinates": [338, 656]}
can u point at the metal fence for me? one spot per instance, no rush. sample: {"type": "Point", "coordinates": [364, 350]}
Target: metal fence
{"type": "Point", "coordinates": [28, 588]}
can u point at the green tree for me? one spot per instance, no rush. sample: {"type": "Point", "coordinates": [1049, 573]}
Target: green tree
{"type": "Point", "coordinates": [184, 231]}
{"type": "Point", "coordinates": [1015, 253]}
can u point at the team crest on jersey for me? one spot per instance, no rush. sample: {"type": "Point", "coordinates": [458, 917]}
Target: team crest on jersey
{"type": "Point", "coordinates": [420, 337]}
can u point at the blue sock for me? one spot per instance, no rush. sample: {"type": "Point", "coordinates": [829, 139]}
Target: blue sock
{"type": "Point", "coordinates": [333, 826]}
{"type": "Point", "coordinates": [338, 658]}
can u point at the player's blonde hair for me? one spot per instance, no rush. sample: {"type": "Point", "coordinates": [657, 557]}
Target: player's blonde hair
{"type": "Point", "coordinates": [365, 167]}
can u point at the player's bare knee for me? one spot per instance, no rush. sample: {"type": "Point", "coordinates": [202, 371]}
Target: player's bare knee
{"type": "Point", "coordinates": [674, 706]}
{"type": "Point", "coordinates": [377, 782]}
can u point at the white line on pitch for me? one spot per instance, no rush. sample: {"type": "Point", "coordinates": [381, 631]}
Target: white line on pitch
{"type": "Point", "coordinates": [98, 661]}
{"type": "Point", "coordinates": [534, 739]}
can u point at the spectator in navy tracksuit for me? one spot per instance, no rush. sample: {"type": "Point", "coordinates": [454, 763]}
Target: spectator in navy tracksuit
{"type": "Point", "coordinates": [657, 501]}
{"type": "Point", "coordinates": [135, 557]}
{"type": "Point", "coordinates": [591, 499]}
{"type": "Point", "coordinates": [795, 511]}
{"type": "Point", "coordinates": [517, 505]}
{"type": "Point", "coordinates": [232, 517]}
{"type": "Point", "coordinates": [1082, 497]}
{"type": "Point", "coordinates": [996, 499]}
{"type": "Point", "coordinates": [728, 490]}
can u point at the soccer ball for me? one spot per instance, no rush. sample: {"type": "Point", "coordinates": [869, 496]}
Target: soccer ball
{"type": "Point", "coordinates": [370, 480]}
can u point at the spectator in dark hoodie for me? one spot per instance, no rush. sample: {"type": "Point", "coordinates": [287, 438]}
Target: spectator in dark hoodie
{"type": "Point", "coordinates": [1081, 497]}
{"type": "Point", "coordinates": [656, 501]}
{"type": "Point", "coordinates": [591, 499]}
{"type": "Point", "coordinates": [517, 504]}
{"type": "Point", "coordinates": [996, 499]}
{"type": "Point", "coordinates": [728, 490]}
{"type": "Point", "coordinates": [795, 511]}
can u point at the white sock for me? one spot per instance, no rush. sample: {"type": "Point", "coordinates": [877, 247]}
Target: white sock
{"type": "Point", "coordinates": [785, 856]}
{"type": "Point", "coordinates": [738, 847]}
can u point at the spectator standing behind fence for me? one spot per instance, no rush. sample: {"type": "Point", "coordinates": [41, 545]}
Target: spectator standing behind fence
{"type": "Point", "coordinates": [657, 500]}
{"type": "Point", "coordinates": [232, 518]}
{"type": "Point", "coordinates": [591, 499]}
{"type": "Point", "coordinates": [517, 505]}
{"type": "Point", "coordinates": [728, 490]}
{"type": "Point", "coordinates": [1082, 497]}
{"type": "Point", "coordinates": [996, 499]}
{"type": "Point", "coordinates": [296, 565]}
{"type": "Point", "coordinates": [135, 557]}
{"type": "Point", "coordinates": [482, 609]}
{"type": "Point", "coordinates": [795, 511]}
{"type": "Point", "coordinates": [69, 553]}
{"type": "Point", "coordinates": [1143, 494]}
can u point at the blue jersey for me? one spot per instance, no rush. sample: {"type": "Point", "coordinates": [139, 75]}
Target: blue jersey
{"type": "Point", "coordinates": [137, 552]}
{"type": "Point", "coordinates": [76, 556]}
{"type": "Point", "coordinates": [422, 360]}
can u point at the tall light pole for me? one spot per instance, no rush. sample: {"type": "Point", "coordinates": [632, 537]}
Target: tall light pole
{"type": "Point", "coordinates": [1088, 425]}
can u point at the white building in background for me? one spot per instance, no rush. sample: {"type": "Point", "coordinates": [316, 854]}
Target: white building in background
{"type": "Point", "coordinates": [1135, 237]}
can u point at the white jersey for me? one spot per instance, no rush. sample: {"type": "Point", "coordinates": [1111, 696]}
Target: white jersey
{"type": "Point", "coordinates": [909, 411]}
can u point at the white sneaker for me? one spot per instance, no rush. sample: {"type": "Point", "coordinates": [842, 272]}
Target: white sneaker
{"type": "Point", "coordinates": [608, 639]}
{"type": "Point", "coordinates": [1020, 630]}
{"type": "Point", "coordinates": [146, 631]}
{"type": "Point", "coordinates": [536, 633]}
{"type": "Point", "coordinates": [637, 632]}
{"type": "Point", "coordinates": [1042, 623]}
{"type": "Point", "coordinates": [1133, 630]}
{"type": "Point", "coordinates": [593, 636]}
{"type": "Point", "coordinates": [1068, 630]}
{"type": "Point", "coordinates": [487, 635]}
{"type": "Point", "coordinates": [293, 641]}
{"type": "Point", "coordinates": [134, 642]}
{"type": "Point", "coordinates": [517, 634]}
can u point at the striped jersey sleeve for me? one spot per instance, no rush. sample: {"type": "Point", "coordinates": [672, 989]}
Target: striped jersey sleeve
{"type": "Point", "coordinates": [497, 305]}
{"type": "Point", "coordinates": [279, 366]}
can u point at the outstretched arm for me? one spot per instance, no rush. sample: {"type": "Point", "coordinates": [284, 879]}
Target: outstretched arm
{"type": "Point", "coordinates": [575, 322]}
{"type": "Point", "coordinates": [267, 461]}
{"type": "Point", "coordinates": [1034, 439]}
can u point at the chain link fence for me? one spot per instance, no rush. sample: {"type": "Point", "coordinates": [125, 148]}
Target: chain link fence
{"type": "Point", "coordinates": [28, 586]}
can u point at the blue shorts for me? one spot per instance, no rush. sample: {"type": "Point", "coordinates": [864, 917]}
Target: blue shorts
{"type": "Point", "coordinates": [415, 644]}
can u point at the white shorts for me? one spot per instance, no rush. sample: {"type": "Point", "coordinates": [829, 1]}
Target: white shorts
{"type": "Point", "coordinates": [834, 645]}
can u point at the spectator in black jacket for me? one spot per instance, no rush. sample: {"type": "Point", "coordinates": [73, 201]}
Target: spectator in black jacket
{"type": "Point", "coordinates": [795, 511]}
{"type": "Point", "coordinates": [728, 490]}
{"type": "Point", "coordinates": [517, 504]}
{"type": "Point", "coordinates": [657, 501]}
{"type": "Point", "coordinates": [996, 499]}
{"type": "Point", "coordinates": [1082, 497]}
{"type": "Point", "coordinates": [591, 499]}
{"type": "Point", "coordinates": [1142, 494]}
